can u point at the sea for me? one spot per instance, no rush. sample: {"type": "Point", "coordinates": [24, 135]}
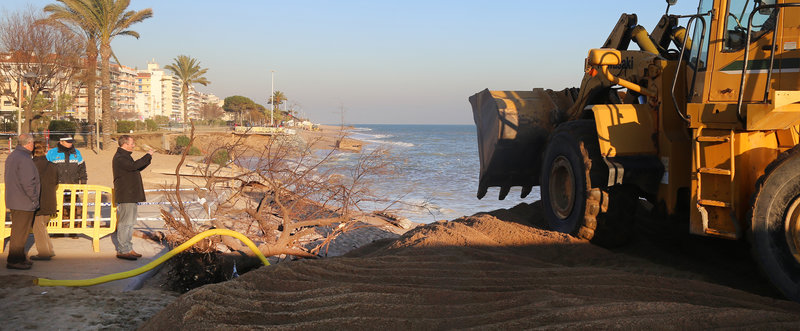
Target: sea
{"type": "Point", "coordinates": [437, 169]}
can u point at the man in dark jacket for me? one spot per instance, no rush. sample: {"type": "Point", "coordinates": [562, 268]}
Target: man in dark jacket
{"type": "Point", "coordinates": [128, 190]}
{"type": "Point", "coordinates": [22, 197]}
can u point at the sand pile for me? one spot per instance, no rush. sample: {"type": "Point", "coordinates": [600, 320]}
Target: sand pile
{"type": "Point", "coordinates": [487, 271]}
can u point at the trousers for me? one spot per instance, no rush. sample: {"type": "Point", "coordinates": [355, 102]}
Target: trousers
{"type": "Point", "coordinates": [43, 244]}
{"type": "Point", "coordinates": [126, 219]}
{"type": "Point", "coordinates": [21, 224]}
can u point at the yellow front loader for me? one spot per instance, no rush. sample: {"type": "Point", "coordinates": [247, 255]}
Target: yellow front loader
{"type": "Point", "coordinates": [702, 122]}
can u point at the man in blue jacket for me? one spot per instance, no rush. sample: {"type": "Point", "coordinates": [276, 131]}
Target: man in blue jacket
{"type": "Point", "coordinates": [71, 170]}
{"type": "Point", "coordinates": [22, 197]}
{"type": "Point", "coordinates": [69, 161]}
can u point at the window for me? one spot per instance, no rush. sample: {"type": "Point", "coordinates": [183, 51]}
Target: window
{"type": "Point", "coordinates": [738, 18]}
{"type": "Point", "coordinates": [699, 54]}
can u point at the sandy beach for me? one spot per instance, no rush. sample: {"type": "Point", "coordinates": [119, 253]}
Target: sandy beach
{"type": "Point", "coordinates": [487, 271]}
{"type": "Point", "coordinates": [498, 270]}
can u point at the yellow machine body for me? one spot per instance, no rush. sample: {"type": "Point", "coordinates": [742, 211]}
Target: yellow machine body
{"type": "Point", "coordinates": [702, 121]}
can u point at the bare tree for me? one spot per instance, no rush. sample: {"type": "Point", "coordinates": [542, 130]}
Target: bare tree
{"type": "Point", "coordinates": [41, 56]}
{"type": "Point", "coordinates": [277, 193]}
{"type": "Point", "coordinates": [210, 111]}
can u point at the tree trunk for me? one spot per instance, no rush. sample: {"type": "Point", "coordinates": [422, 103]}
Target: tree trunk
{"type": "Point", "coordinates": [105, 78]}
{"type": "Point", "coordinates": [91, 79]}
{"type": "Point", "coordinates": [26, 118]}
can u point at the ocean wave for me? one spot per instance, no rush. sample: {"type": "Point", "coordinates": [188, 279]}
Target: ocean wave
{"type": "Point", "coordinates": [361, 136]}
{"type": "Point", "coordinates": [358, 129]}
{"type": "Point", "coordinates": [385, 142]}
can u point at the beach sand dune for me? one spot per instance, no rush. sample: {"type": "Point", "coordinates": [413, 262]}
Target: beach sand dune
{"type": "Point", "coordinates": [492, 270]}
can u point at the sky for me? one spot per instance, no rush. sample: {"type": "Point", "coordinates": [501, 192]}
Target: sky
{"type": "Point", "coordinates": [377, 62]}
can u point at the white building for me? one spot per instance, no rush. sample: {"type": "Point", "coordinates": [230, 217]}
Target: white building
{"type": "Point", "coordinates": [159, 93]}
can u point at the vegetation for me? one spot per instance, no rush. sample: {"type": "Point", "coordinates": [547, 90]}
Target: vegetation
{"type": "Point", "coordinates": [161, 119]}
{"type": "Point", "coordinates": [182, 141]}
{"type": "Point", "coordinates": [60, 128]}
{"type": "Point", "coordinates": [151, 125]}
{"type": "Point", "coordinates": [275, 102]}
{"type": "Point", "coordinates": [194, 150]}
{"type": "Point", "coordinates": [125, 126]}
{"type": "Point", "coordinates": [188, 70]}
{"type": "Point", "coordinates": [44, 57]}
{"type": "Point", "coordinates": [243, 107]}
{"type": "Point", "coordinates": [220, 157]}
{"type": "Point", "coordinates": [211, 112]}
{"type": "Point", "coordinates": [63, 102]}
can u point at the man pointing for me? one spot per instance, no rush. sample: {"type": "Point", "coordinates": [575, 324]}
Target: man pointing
{"type": "Point", "coordinates": [128, 190]}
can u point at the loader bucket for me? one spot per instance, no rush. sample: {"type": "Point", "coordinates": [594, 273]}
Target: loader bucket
{"type": "Point", "coordinates": [513, 127]}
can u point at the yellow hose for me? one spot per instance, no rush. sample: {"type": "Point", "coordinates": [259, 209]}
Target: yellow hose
{"type": "Point", "coordinates": [152, 264]}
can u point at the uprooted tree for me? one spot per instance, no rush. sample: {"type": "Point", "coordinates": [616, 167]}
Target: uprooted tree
{"type": "Point", "coordinates": [275, 194]}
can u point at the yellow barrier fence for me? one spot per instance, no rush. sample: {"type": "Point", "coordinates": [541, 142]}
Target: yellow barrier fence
{"type": "Point", "coordinates": [88, 210]}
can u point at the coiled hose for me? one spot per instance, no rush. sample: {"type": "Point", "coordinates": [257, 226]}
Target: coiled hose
{"type": "Point", "coordinates": [154, 263]}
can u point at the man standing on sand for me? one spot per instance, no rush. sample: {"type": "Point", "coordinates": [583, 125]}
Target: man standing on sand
{"type": "Point", "coordinates": [128, 190]}
{"type": "Point", "coordinates": [22, 197]}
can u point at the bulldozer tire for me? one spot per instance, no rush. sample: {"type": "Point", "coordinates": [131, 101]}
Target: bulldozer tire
{"type": "Point", "coordinates": [566, 193]}
{"type": "Point", "coordinates": [775, 223]}
{"type": "Point", "coordinates": [571, 203]}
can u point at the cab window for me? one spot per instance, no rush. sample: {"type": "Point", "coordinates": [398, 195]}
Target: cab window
{"type": "Point", "coordinates": [699, 54]}
{"type": "Point", "coordinates": [738, 18]}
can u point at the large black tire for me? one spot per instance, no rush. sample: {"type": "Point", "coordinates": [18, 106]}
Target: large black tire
{"type": "Point", "coordinates": [775, 223]}
{"type": "Point", "coordinates": [572, 204]}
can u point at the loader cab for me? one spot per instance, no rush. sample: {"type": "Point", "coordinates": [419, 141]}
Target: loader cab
{"type": "Point", "coordinates": [719, 59]}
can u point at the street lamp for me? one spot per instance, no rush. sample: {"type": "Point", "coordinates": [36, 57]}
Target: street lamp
{"type": "Point", "coordinates": [19, 106]}
{"type": "Point", "coordinates": [272, 98]}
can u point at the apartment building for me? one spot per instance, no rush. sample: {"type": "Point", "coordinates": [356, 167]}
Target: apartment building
{"type": "Point", "coordinates": [135, 95]}
{"type": "Point", "coordinates": [123, 95]}
{"type": "Point", "coordinates": [171, 94]}
{"type": "Point", "coordinates": [157, 92]}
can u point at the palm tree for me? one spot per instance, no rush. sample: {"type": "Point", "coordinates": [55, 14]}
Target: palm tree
{"type": "Point", "coordinates": [78, 15]}
{"type": "Point", "coordinates": [112, 20]}
{"type": "Point", "coordinates": [277, 98]}
{"type": "Point", "coordinates": [189, 72]}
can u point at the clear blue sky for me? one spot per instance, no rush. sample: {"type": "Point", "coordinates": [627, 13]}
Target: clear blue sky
{"type": "Point", "coordinates": [393, 61]}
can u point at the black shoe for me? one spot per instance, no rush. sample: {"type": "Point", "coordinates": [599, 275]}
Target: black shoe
{"type": "Point", "coordinates": [127, 256]}
{"type": "Point", "coordinates": [19, 266]}
{"type": "Point", "coordinates": [40, 258]}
